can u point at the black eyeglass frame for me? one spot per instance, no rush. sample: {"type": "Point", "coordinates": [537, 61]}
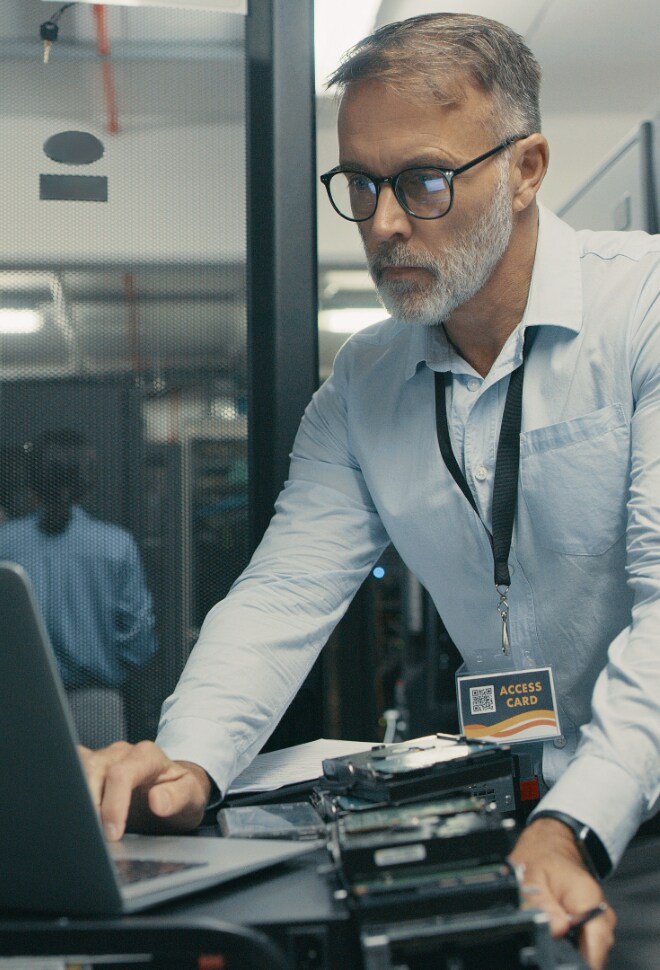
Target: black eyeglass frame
{"type": "Point", "coordinates": [449, 173]}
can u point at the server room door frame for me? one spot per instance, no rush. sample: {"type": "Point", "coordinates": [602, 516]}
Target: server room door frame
{"type": "Point", "coordinates": [282, 273]}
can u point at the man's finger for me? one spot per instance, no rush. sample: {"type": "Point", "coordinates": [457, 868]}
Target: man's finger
{"type": "Point", "coordinates": [537, 895]}
{"type": "Point", "coordinates": [597, 939]}
{"type": "Point", "coordinates": [141, 766]}
{"type": "Point", "coordinates": [181, 801]}
{"type": "Point", "coordinates": [96, 763]}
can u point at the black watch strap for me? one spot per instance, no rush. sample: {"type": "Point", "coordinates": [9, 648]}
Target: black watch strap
{"type": "Point", "coordinates": [592, 851]}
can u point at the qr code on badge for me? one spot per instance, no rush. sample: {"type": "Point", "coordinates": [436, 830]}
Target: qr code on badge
{"type": "Point", "coordinates": [482, 700]}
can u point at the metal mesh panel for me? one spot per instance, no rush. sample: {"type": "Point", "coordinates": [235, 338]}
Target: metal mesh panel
{"type": "Point", "coordinates": [123, 415]}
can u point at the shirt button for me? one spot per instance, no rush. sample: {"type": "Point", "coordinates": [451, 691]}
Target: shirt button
{"type": "Point", "coordinates": [481, 473]}
{"type": "Point", "coordinates": [560, 742]}
{"type": "Point", "coordinates": [473, 384]}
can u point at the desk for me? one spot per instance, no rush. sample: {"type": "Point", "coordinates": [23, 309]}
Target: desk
{"type": "Point", "coordinates": [294, 904]}
{"type": "Point", "coordinates": [634, 892]}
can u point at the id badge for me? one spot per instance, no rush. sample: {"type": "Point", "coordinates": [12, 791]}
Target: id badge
{"type": "Point", "coordinates": [510, 707]}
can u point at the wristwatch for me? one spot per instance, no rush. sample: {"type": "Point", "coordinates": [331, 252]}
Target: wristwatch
{"type": "Point", "coordinates": [592, 851]}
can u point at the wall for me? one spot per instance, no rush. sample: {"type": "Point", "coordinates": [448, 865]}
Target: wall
{"type": "Point", "coordinates": [166, 199]}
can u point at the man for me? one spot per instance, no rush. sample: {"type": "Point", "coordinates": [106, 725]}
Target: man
{"type": "Point", "coordinates": [89, 580]}
{"type": "Point", "coordinates": [441, 159]}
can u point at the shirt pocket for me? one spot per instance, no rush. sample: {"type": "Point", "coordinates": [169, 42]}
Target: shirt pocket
{"type": "Point", "coordinates": [575, 481]}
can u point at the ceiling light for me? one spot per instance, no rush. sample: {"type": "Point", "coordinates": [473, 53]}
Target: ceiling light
{"type": "Point", "coordinates": [350, 319]}
{"type": "Point", "coordinates": [20, 321]}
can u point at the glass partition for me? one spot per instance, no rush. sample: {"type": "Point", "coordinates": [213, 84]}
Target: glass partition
{"type": "Point", "coordinates": [123, 335]}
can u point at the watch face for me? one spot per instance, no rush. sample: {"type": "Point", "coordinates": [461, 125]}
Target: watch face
{"type": "Point", "coordinates": [598, 855]}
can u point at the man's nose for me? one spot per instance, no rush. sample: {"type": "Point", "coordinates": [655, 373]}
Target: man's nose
{"type": "Point", "coordinates": [390, 218]}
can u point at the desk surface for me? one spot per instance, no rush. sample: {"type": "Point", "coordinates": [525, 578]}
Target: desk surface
{"type": "Point", "coordinates": [634, 892]}
{"type": "Point", "coordinates": [297, 898]}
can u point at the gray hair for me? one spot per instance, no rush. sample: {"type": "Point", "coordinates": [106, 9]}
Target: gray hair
{"type": "Point", "coordinates": [434, 51]}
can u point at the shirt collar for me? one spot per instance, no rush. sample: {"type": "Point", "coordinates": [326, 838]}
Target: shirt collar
{"type": "Point", "coordinates": [555, 296]}
{"type": "Point", "coordinates": [555, 292]}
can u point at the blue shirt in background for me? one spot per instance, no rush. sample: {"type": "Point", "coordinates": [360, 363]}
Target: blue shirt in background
{"type": "Point", "coordinates": [91, 588]}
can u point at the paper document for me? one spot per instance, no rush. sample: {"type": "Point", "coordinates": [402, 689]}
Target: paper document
{"type": "Point", "coordinates": [290, 766]}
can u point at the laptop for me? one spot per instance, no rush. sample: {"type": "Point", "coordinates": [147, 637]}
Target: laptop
{"type": "Point", "coordinates": [53, 855]}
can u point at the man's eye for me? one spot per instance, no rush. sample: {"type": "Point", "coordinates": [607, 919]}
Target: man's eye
{"type": "Point", "coordinates": [360, 183]}
{"type": "Point", "coordinates": [430, 181]}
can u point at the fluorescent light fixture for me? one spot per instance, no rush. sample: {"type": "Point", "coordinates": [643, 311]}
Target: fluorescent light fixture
{"type": "Point", "coordinates": [350, 319]}
{"type": "Point", "coordinates": [338, 25]}
{"type": "Point", "coordinates": [219, 6]}
{"type": "Point", "coordinates": [20, 321]}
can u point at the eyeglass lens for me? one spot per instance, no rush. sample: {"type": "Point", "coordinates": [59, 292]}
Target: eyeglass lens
{"type": "Point", "coordinates": [425, 192]}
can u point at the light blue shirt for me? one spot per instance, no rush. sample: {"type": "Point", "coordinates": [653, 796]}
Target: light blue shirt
{"type": "Point", "coordinates": [585, 558]}
{"type": "Point", "coordinates": [90, 585]}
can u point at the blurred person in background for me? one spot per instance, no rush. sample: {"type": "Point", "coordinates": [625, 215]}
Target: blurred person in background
{"type": "Point", "coordinates": [89, 581]}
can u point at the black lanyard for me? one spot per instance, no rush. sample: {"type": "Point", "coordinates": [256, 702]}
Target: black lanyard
{"type": "Point", "coordinates": [505, 487]}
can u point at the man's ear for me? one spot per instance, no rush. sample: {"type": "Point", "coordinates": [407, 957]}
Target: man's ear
{"type": "Point", "coordinates": [530, 163]}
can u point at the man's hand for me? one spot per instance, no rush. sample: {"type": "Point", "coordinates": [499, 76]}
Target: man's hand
{"type": "Point", "coordinates": [554, 879]}
{"type": "Point", "coordinates": [138, 787]}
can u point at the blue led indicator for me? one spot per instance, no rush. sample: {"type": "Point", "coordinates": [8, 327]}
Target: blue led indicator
{"type": "Point", "coordinates": [378, 572]}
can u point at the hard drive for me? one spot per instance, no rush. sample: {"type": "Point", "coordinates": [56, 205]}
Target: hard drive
{"type": "Point", "coordinates": [497, 940]}
{"type": "Point", "coordinates": [426, 767]}
{"type": "Point", "coordinates": [469, 838]}
{"type": "Point", "coordinates": [412, 893]}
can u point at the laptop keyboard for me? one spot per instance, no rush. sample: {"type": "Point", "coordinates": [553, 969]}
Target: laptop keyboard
{"type": "Point", "coordinates": [135, 870]}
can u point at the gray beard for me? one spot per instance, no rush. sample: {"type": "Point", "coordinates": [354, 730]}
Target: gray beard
{"type": "Point", "coordinates": [457, 275]}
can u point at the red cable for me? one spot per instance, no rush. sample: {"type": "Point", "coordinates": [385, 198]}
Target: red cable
{"type": "Point", "coordinates": [107, 74]}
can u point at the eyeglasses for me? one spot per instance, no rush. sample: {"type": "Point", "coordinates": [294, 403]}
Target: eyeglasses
{"type": "Point", "coordinates": [424, 192]}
